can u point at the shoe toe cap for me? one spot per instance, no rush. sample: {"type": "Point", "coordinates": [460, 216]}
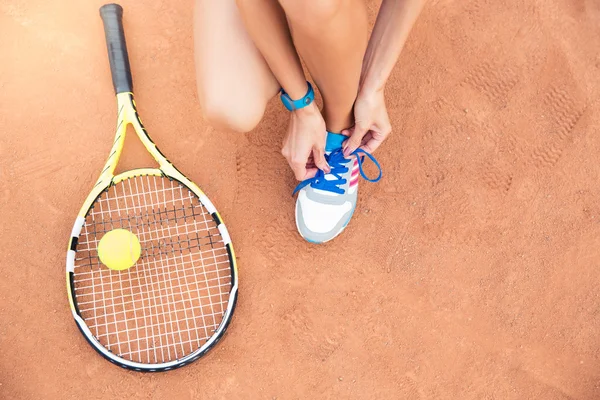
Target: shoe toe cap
{"type": "Point", "coordinates": [319, 222]}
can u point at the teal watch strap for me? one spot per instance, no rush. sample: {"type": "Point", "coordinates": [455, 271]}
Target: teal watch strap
{"type": "Point", "coordinates": [292, 105]}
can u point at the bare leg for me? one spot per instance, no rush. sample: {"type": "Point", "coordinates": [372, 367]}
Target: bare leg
{"type": "Point", "coordinates": [306, 137]}
{"type": "Point", "coordinates": [234, 81]}
{"type": "Point", "coordinates": [331, 37]}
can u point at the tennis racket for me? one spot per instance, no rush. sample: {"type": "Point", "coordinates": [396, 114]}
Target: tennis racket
{"type": "Point", "coordinates": [176, 301]}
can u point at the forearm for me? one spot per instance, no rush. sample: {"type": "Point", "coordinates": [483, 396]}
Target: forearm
{"type": "Point", "coordinates": [266, 24]}
{"type": "Point", "coordinates": [394, 23]}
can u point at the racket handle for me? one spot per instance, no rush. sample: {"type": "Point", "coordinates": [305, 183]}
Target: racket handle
{"type": "Point", "coordinates": [112, 17]}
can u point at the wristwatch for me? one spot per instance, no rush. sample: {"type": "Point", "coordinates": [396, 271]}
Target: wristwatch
{"type": "Point", "coordinates": [292, 105]}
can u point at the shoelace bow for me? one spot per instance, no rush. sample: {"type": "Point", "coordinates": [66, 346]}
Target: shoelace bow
{"type": "Point", "coordinates": [337, 161]}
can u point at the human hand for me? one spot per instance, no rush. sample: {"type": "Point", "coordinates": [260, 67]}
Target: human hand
{"type": "Point", "coordinates": [371, 123]}
{"type": "Point", "coordinates": [304, 143]}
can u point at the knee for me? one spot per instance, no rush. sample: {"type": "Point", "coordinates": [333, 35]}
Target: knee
{"type": "Point", "coordinates": [312, 13]}
{"type": "Point", "coordinates": [232, 115]}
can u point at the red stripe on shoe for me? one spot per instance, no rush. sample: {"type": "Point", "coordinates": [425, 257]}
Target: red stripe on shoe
{"type": "Point", "coordinates": [354, 182]}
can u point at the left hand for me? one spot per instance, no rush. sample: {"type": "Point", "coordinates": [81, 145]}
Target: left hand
{"type": "Point", "coordinates": [304, 144]}
{"type": "Point", "coordinates": [371, 123]}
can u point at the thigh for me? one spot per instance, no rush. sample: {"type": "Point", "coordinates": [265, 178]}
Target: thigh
{"type": "Point", "coordinates": [234, 81]}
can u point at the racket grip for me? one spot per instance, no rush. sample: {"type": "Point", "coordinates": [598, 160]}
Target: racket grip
{"type": "Point", "coordinates": [112, 17]}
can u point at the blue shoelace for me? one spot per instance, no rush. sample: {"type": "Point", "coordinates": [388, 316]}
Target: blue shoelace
{"type": "Point", "coordinates": [337, 161]}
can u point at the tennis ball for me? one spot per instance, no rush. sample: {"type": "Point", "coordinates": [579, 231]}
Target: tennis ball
{"type": "Point", "coordinates": [119, 249]}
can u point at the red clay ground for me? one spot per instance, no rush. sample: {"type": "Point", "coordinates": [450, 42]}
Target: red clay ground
{"type": "Point", "coordinates": [469, 272]}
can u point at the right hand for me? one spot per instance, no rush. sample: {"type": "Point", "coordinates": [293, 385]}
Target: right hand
{"type": "Point", "coordinates": [304, 143]}
{"type": "Point", "coordinates": [371, 123]}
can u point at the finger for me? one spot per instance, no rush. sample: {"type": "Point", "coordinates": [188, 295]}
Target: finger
{"type": "Point", "coordinates": [310, 173]}
{"type": "Point", "coordinates": [373, 143]}
{"type": "Point", "coordinates": [366, 138]}
{"type": "Point", "coordinates": [355, 140]}
{"type": "Point", "coordinates": [347, 132]}
{"type": "Point", "coordinates": [310, 162]}
{"type": "Point", "coordinates": [319, 159]}
{"type": "Point", "coordinates": [299, 161]}
{"type": "Point", "coordinates": [298, 165]}
{"type": "Point", "coordinates": [299, 171]}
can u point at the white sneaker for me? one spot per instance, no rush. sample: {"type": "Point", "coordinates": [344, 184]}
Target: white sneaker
{"type": "Point", "coordinates": [325, 203]}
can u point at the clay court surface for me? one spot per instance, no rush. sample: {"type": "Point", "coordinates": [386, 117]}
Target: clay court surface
{"type": "Point", "coordinates": [469, 272]}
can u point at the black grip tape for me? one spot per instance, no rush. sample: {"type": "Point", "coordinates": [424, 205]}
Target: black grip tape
{"type": "Point", "coordinates": [112, 17]}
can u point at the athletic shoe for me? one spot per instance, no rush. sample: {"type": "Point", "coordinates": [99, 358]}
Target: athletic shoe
{"type": "Point", "coordinates": [325, 203]}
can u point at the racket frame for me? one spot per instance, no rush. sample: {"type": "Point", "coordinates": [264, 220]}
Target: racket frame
{"type": "Point", "coordinates": [128, 115]}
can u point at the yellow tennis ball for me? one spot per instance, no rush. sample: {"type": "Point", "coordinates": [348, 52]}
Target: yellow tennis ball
{"type": "Point", "coordinates": [119, 249]}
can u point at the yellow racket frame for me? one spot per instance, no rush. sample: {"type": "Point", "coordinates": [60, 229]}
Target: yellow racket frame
{"type": "Point", "coordinates": [128, 115]}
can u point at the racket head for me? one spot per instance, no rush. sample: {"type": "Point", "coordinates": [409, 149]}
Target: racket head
{"type": "Point", "coordinates": [178, 299]}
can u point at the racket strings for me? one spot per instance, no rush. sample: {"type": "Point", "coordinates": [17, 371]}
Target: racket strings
{"type": "Point", "coordinates": [174, 299]}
